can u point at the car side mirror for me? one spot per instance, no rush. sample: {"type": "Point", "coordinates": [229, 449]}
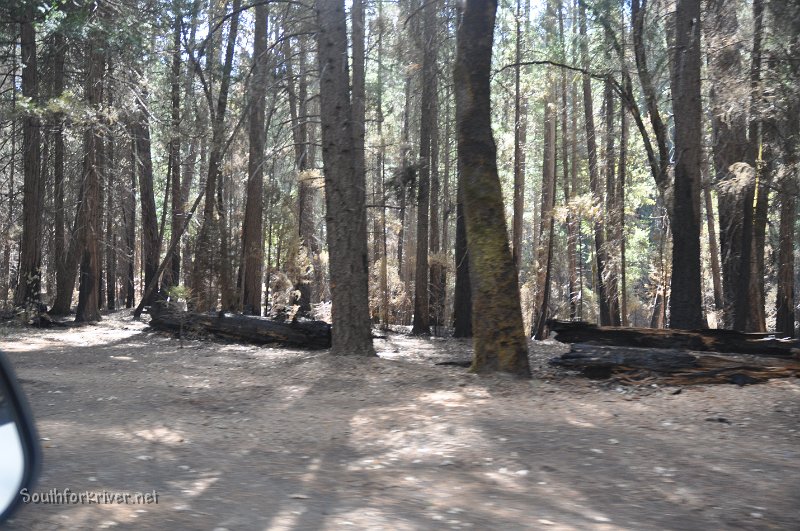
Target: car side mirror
{"type": "Point", "coordinates": [19, 443]}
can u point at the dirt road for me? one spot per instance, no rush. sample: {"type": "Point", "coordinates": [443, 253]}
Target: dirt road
{"type": "Point", "coordinates": [242, 437]}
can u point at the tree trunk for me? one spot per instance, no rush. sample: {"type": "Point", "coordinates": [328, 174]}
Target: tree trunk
{"type": "Point", "coordinates": [30, 253]}
{"type": "Point", "coordinates": [499, 343]}
{"type": "Point", "coordinates": [111, 233]}
{"type": "Point", "coordinates": [729, 141]}
{"type": "Point", "coordinates": [345, 200]}
{"type": "Point", "coordinates": [756, 319]}
{"type": "Point", "coordinates": [520, 133]}
{"type": "Point", "coordinates": [713, 248]}
{"type": "Point", "coordinates": [462, 298]}
{"type": "Point", "coordinates": [421, 324]}
{"type": "Point", "coordinates": [64, 282]}
{"type": "Point", "coordinates": [784, 303]}
{"type": "Point", "coordinates": [89, 223]}
{"type": "Point", "coordinates": [686, 298]}
{"type": "Point", "coordinates": [173, 272]}
{"type": "Point", "coordinates": [144, 166]}
{"type": "Point", "coordinates": [594, 184]}
{"type": "Point", "coordinates": [253, 228]}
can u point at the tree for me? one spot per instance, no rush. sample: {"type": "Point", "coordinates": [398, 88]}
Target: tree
{"type": "Point", "coordinates": [173, 272]}
{"type": "Point", "coordinates": [499, 337]}
{"type": "Point", "coordinates": [729, 145]}
{"type": "Point", "coordinates": [685, 299]}
{"type": "Point", "coordinates": [427, 124]}
{"type": "Point", "coordinates": [140, 130]}
{"type": "Point", "coordinates": [30, 263]}
{"type": "Point", "coordinates": [212, 242]}
{"type": "Point", "coordinates": [252, 230]}
{"type": "Point", "coordinates": [594, 180]}
{"type": "Point", "coordinates": [345, 199]}
{"type": "Point", "coordinates": [89, 221]}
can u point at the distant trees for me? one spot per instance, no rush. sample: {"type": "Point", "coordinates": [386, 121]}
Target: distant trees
{"type": "Point", "coordinates": [108, 140]}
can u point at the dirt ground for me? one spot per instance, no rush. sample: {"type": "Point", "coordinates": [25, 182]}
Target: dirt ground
{"type": "Point", "coordinates": [243, 437]}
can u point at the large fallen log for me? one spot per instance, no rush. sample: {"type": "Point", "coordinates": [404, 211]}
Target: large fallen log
{"type": "Point", "coordinates": [711, 340]}
{"type": "Point", "coordinates": [303, 334]}
{"type": "Point", "coordinates": [672, 366]}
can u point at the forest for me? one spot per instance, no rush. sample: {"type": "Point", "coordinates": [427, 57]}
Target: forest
{"type": "Point", "coordinates": [461, 168]}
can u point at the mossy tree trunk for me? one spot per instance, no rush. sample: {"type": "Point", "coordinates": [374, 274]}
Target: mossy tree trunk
{"type": "Point", "coordinates": [499, 337]}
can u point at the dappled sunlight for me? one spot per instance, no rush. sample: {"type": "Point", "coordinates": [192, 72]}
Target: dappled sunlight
{"type": "Point", "coordinates": [444, 398]}
{"type": "Point", "coordinates": [161, 435]}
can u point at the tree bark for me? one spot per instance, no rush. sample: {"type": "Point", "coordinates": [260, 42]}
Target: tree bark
{"type": "Point", "coordinates": [89, 223]}
{"type": "Point", "coordinates": [30, 253]}
{"type": "Point", "coordinates": [421, 325]}
{"type": "Point", "coordinates": [173, 276]}
{"type": "Point", "coordinates": [520, 134]}
{"type": "Point", "coordinates": [345, 200]}
{"type": "Point", "coordinates": [594, 182]}
{"type": "Point", "coordinates": [253, 228]}
{"type": "Point", "coordinates": [729, 142]}
{"type": "Point", "coordinates": [462, 297]}
{"type": "Point", "coordinates": [144, 167]}
{"type": "Point", "coordinates": [686, 298]}
{"type": "Point", "coordinates": [756, 320]}
{"type": "Point", "coordinates": [499, 342]}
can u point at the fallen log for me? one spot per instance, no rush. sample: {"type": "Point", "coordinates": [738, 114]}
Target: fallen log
{"type": "Point", "coordinates": [303, 334]}
{"type": "Point", "coordinates": [711, 340]}
{"type": "Point", "coordinates": [672, 366]}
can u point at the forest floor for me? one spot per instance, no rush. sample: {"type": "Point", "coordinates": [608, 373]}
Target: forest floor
{"type": "Point", "coordinates": [244, 437]}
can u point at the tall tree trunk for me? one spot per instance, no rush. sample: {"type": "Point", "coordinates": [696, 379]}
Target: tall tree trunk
{"type": "Point", "coordinates": [144, 167]}
{"type": "Point", "coordinates": [30, 254]}
{"type": "Point", "coordinates": [436, 269]}
{"type": "Point", "coordinates": [499, 343]}
{"type": "Point", "coordinates": [713, 247]}
{"type": "Point", "coordinates": [611, 221]}
{"type": "Point", "coordinates": [785, 301]}
{"type": "Point", "coordinates": [421, 324]}
{"type": "Point", "coordinates": [685, 297]}
{"type": "Point", "coordinates": [729, 142]}
{"type": "Point", "coordinates": [111, 233]}
{"type": "Point", "coordinates": [89, 223]}
{"type": "Point", "coordinates": [520, 126]}
{"type": "Point", "coordinates": [544, 250]}
{"type": "Point", "coordinates": [253, 229]}
{"type": "Point", "coordinates": [756, 320]}
{"type": "Point", "coordinates": [594, 184]}
{"type": "Point", "coordinates": [620, 215]}
{"type": "Point", "coordinates": [345, 199]}
{"type": "Point", "coordinates": [64, 282]}
{"type": "Point", "coordinates": [173, 271]}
